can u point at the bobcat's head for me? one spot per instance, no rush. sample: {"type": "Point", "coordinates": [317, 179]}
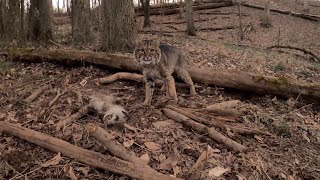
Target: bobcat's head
{"type": "Point", "coordinates": [147, 52]}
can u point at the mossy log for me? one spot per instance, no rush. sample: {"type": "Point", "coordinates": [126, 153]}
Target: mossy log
{"type": "Point", "coordinates": [209, 76]}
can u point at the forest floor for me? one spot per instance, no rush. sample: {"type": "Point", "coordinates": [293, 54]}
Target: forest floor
{"type": "Point", "coordinates": [292, 151]}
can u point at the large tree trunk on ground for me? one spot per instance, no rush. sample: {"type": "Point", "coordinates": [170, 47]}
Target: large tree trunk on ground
{"type": "Point", "coordinates": [85, 156]}
{"type": "Point", "coordinates": [40, 20]}
{"type": "Point", "coordinates": [81, 21]}
{"type": "Point", "coordinates": [231, 79]}
{"type": "Point", "coordinates": [118, 25]}
{"type": "Point", "coordinates": [191, 30]}
{"type": "Point", "coordinates": [300, 15]}
{"type": "Point", "coordinates": [171, 11]}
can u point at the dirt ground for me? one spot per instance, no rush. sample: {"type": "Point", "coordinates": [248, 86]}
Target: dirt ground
{"type": "Point", "coordinates": [292, 151]}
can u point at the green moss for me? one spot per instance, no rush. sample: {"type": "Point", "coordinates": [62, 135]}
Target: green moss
{"type": "Point", "coordinates": [279, 67]}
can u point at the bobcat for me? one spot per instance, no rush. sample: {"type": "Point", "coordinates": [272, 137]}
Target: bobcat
{"type": "Point", "coordinates": [159, 62]}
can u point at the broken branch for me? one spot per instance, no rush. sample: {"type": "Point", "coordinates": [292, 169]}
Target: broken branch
{"type": "Point", "coordinates": [37, 93]}
{"type": "Point", "coordinates": [297, 48]}
{"type": "Point", "coordinates": [231, 144]}
{"type": "Point", "coordinates": [85, 156]}
{"type": "Point", "coordinates": [64, 122]}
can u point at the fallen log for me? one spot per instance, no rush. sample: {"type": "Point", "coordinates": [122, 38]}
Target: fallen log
{"type": "Point", "coordinates": [197, 29]}
{"type": "Point", "coordinates": [295, 14]}
{"type": "Point", "coordinates": [298, 49]}
{"type": "Point", "coordinates": [131, 77]}
{"type": "Point", "coordinates": [85, 156]}
{"type": "Point", "coordinates": [210, 76]}
{"type": "Point", "coordinates": [195, 8]}
{"type": "Point", "coordinates": [177, 5]}
{"type": "Point", "coordinates": [183, 22]}
{"type": "Point", "coordinates": [215, 135]}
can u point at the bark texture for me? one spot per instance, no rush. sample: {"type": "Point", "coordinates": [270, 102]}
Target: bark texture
{"type": "Point", "coordinates": [191, 30]}
{"type": "Point", "coordinates": [40, 20]}
{"type": "Point", "coordinates": [226, 78]}
{"type": "Point", "coordinates": [10, 20]}
{"type": "Point", "coordinates": [146, 10]}
{"type": "Point", "coordinates": [117, 24]}
{"type": "Point", "coordinates": [81, 32]}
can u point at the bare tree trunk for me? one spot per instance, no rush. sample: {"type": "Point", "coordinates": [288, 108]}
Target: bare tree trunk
{"type": "Point", "coordinates": [68, 8]}
{"type": "Point", "coordinates": [146, 10]}
{"type": "Point", "coordinates": [118, 25]}
{"type": "Point", "coordinates": [58, 6]}
{"type": "Point", "coordinates": [40, 20]}
{"type": "Point", "coordinates": [191, 30]}
{"type": "Point", "coordinates": [81, 31]}
{"type": "Point", "coordinates": [266, 20]}
{"type": "Point", "coordinates": [2, 18]}
{"type": "Point", "coordinates": [240, 21]}
{"type": "Point", "coordinates": [22, 28]}
{"type": "Point", "coordinates": [12, 25]}
{"type": "Point", "coordinates": [306, 6]}
{"type": "Point", "coordinates": [180, 9]}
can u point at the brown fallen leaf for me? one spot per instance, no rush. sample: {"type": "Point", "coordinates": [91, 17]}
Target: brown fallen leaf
{"type": "Point", "coordinates": [162, 124]}
{"type": "Point", "coordinates": [54, 161]}
{"type": "Point", "coordinates": [224, 105]}
{"type": "Point", "coordinates": [145, 157]}
{"type": "Point", "coordinates": [167, 164]}
{"type": "Point", "coordinates": [70, 173]}
{"type": "Point", "coordinates": [162, 157]}
{"type": "Point", "coordinates": [152, 146]}
{"type": "Point", "coordinates": [218, 171]}
{"type": "Point", "coordinates": [128, 143]}
{"type": "Point", "coordinates": [83, 170]}
{"type": "Point", "coordinates": [305, 136]}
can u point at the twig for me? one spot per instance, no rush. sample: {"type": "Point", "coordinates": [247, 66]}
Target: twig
{"type": "Point", "coordinates": [112, 145]}
{"type": "Point", "coordinates": [36, 94]}
{"type": "Point", "coordinates": [64, 122]}
{"type": "Point", "coordinates": [297, 48]}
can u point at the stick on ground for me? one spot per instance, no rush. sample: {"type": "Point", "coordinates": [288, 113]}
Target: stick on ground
{"type": "Point", "coordinates": [112, 145]}
{"type": "Point", "coordinates": [85, 156]}
{"type": "Point", "coordinates": [37, 93]}
{"type": "Point", "coordinates": [297, 48]}
{"type": "Point", "coordinates": [64, 122]}
{"type": "Point", "coordinates": [231, 144]}
{"type": "Point", "coordinates": [217, 123]}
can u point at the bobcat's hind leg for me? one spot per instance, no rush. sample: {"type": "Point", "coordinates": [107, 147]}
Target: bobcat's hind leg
{"type": "Point", "coordinates": [185, 76]}
{"type": "Point", "coordinates": [171, 88]}
{"type": "Point", "coordinates": [149, 86]}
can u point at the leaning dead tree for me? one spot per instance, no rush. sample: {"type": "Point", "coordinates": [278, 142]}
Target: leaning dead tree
{"type": "Point", "coordinates": [40, 21]}
{"type": "Point", "coordinates": [226, 78]}
{"type": "Point", "coordinates": [80, 21]}
{"type": "Point", "coordinates": [118, 24]}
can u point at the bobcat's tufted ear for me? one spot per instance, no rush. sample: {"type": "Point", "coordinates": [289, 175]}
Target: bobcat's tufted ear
{"type": "Point", "coordinates": [157, 41]}
{"type": "Point", "coordinates": [137, 42]}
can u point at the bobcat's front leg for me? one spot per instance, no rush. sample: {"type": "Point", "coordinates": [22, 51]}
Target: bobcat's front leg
{"type": "Point", "coordinates": [149, 86]}
{"type": "Point", "coordinates": [171, 87]}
